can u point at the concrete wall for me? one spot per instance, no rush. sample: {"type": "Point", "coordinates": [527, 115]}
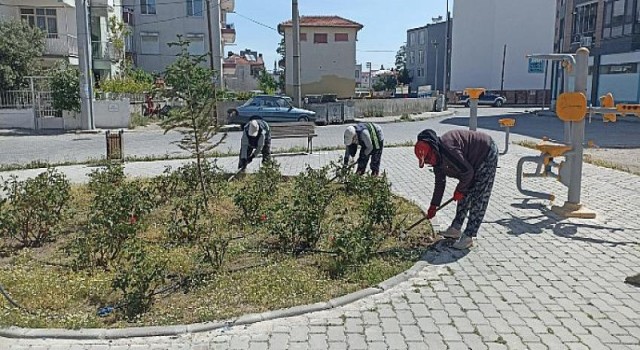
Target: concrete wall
{"type": "Point", "coordinates": [242, 80]}
{"type": "Point", "coordinates": [480, 31]}
{"type": "Point", "coordinates": [325, 68]}
{"type": "Point", "coordinates": [111, 114]}
{"type": "Point", "coordinates": [17, 119]}
{"type": "Point", "coordinates": [393, 107]}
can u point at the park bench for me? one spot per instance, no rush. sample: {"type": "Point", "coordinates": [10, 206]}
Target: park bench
{"type": "Point", "coordinates": [294, 130]}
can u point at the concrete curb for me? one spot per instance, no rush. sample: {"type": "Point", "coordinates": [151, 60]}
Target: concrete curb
{"type": "Point", "coordinates": [397, 119]}
{"type": "Point", "coordinates": [154, 331]}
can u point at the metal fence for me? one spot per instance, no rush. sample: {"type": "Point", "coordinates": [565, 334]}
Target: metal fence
{"type": "Point", "coordinates": [16, 99]}
{"type": "Point", "coordinates": [44, 105]}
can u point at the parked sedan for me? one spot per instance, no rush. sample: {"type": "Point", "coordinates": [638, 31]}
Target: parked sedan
{"type": "Point", "coordinates": [486, 98]}
{"type": "Point", "coordinates": [271, 109]}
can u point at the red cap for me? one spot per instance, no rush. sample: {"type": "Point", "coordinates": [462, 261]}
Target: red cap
{"type": "Point", "coordinates": [421, 149]}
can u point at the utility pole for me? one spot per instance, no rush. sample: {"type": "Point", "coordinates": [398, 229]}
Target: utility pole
{"type": "Point", "coordinates": [370, 77]}
{"type": "Point", "coordinates": [85, 61]}
{"type": "Point", "coordinates": [295, 21]}
{"type": "Point", "coordinates": [211, 65]}
{"type": "Point", "coordinates": [504, 58]}
{"type": "Point", "coordinates": [446, 61]}
{"type": "Point", "coordinates": [215, 39]}
{"type": "Point", "coordinates": [435, 84]}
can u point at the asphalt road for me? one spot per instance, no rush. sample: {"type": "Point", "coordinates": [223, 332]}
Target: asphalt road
{"type": "Point", "coordinates": [150, 141]}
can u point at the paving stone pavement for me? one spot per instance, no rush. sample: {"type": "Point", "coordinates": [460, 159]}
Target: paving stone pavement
{"type": "Point", "coordinates": [532, 281]}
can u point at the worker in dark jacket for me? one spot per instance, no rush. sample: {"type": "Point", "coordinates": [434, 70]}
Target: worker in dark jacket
{"type": "Point", "coordinates": [369, 137]}
{"type": "Point", "coordinates": [256, 139]}
{"type": "Point", "coordinates": [472, 158]}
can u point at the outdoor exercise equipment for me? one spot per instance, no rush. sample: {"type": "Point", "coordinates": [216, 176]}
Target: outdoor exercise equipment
{"type": "Point", "coordinates": [474, 95]}
{"type": "Point", "coordinates": [571, 108]}
{"type": "Point", "coordinates": [506, 123]}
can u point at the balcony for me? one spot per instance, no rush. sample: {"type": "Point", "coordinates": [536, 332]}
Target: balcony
{"type": "Point", "coordinates": [229, 34]}
{"type": "Point", "coordinates": [102, 8]}
{"type": "Point", "coordinates": [228, 5]}
{"type": "Point", "coordinates": [102, 50]}
{"type": "Point", "coordinates": [61, 46]}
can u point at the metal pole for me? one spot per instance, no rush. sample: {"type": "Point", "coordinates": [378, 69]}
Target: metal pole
{"type": "Point", "coordinates": [577, 131]}
{"type": "Point", "coordinates": [216, 42]}
{"type": "Point", "coordinates": [211, 64]}
{"type": "Point", "coordinates": [504, 59]}
{"type": "Point", "coordinates": [435, 84]}
{"type": "Point", "coordinates": [84, 58]}
{"type": "Point", "coordinates": [565, 88]}
{"type": "Point", "coordinates": [473, 114]}
{"type": "Point", "coordinates": [446, 61]}
{"type": "Point", "coordinates": [295, 15]}
{"type": "Point", "coordinates": [544, 89]}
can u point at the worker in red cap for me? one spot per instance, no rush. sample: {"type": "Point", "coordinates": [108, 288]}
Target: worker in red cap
{"type": "Point", "coordinates": [472, 158]}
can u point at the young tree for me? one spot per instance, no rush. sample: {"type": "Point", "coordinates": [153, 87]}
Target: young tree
{"type": "Point", "coordinates": [401, 66]}
{"type": "Point", "coordinates": [65, 88]}
{"type": "Point", "coordinates": [190, 82]}
{"type": "Point", "coordinates": [282, 51]}
{"type": "Point", "coordinates": [20, 46]}
{"type": "Point", "coordinates": [266, 82]}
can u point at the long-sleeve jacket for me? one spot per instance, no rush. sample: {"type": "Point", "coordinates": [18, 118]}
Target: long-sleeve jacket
{"type": "Point", "coordinates": [370, 138]}
{"type": "Point", "coordinates": [248, 143]}
{"type": "Point", "coordinates": [459, 154]}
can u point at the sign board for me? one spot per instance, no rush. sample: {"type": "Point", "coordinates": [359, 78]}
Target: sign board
{"type": "Point", "coordinates": [536, 65]}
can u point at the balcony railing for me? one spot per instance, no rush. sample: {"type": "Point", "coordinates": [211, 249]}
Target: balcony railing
{"type": "Point", "coordinates": [62, 45]}
{"type": "Point", "coordinates": [102, 50]}
{"type": "Point", "coordinates": [229, 34]}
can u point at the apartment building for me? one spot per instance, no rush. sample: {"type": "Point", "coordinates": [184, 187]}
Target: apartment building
{"type": "Point", "coordinates": [610, 29]}
{"type": "Point", "coordinates": [490, 41]}
{"type": "Point", "coordinates": [327, 55]}
{"type": "Point", "coordinates": [241, 71]}
{"type": "Point", "coordinates": [425, 51]}
{"type": "Point", "coordinates": [57, 18]}
{"type": "Point", "coordinates": [156, 23]}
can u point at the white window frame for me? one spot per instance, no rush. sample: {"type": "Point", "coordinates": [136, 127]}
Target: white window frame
{"type": "Point", "coordinates": [149, 7]}
{"type": "Point", "coordinates": [191, 7]}
{"type": "Point", "coordinates": [200, 37]}
{"type": "Point", "coordinates": [47, 14]}
{"type": "Point", "coordinates": [143, 47]}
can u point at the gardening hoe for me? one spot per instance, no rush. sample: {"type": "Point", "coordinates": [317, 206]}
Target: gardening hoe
{"type": "Point", "coordinates": [425, 218]}
{"type": "Point", "coordinates": [241, 169]}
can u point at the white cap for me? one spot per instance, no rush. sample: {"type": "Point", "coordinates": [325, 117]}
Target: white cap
{"type": "Point", "coordinates": [350, 135]}
{"type": "Point", "coordinates": [253, 128]}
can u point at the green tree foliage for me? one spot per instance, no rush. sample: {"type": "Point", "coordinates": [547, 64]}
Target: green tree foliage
{"type": "Point", "coordinates": [65, 88]}
{"type": "Point", "coordinates": [191, 83]}
{"type": "Point", "coordinates": [401, 66]}
{"type": "Point", "coordinates": [385, 82]}
{"type": "Point", "coordinates": [20, 46]}
{"type": "Point", "coordinates": [282, 51]}
{"type": "Point", "coordinates": [266, 82]}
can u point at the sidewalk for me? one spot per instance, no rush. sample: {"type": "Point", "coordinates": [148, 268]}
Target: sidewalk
{"type": "Point", "coordinates": [532, 281]}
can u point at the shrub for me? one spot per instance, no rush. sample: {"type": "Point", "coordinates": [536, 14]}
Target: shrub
{"type": "Point", "coordinates": [126, 85]}
{"type": "Point", "coordinates": [353, 242]}
{"type": "Point", "coordinates": [34, 208]}
{"type": "Point", "coordinates": [378, 207]}
{"type": "Point", "coordinates": [257, 191]}
{"type": "Point", "coordinates": [138, 278]}
{"type": "Point", "coordinates": [65, 88]}
{"type": "Point", "coordinates": [115, 216]}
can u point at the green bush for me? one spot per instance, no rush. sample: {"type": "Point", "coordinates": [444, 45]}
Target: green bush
{"type": "Point", "coordinates": [353, 242]}
{"type": "Point", "coordinates": [126, 85]}
{"type": "Point", "coordinates": [378, 207]}
{"type": "Point", "coordinates": [138, 279]}
{"type": "Point", "coordinates": [256, 192]}
{"type": "Point", "coordinates": [115, 217]}
{"type": "Point", "coordinates": [65, 88]}
{"type": "Point", "coordinates": [33, 209]}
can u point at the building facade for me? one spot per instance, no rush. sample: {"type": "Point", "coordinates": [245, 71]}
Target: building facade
{"type": "Point", "coordinates": [610, 29]}
{"type": "Point", "coordinates": [156, 23]}
{"type": "Point", "coordinates": [327, 55]}
{"type": "Point", "coordinates": [490, 37]}
{"type": "Point", "coordinates": [57, 18]}
{"type": "Point", "coordinates": [241, 71]}
{"type": "Point", "coordinates": [425, 50]}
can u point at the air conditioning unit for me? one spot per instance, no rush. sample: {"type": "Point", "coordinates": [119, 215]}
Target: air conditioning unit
{"type": "Point", "coordinates": [585, 41]}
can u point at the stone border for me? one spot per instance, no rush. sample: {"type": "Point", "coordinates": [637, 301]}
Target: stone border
{"type": "Point", "coordinates": [152, 331]}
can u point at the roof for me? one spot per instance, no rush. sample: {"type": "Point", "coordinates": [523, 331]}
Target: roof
{"type": "Point", "coordinates": [323, 21]}
{"type": "Point", "coordinates": [237, 59]}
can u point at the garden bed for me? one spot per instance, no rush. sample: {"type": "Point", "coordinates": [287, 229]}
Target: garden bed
{"type": "Point", "coordinates": [183, 248]}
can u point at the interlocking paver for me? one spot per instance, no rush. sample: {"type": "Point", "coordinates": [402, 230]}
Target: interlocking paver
{"type": "Point", "coordinates": [524, 285]}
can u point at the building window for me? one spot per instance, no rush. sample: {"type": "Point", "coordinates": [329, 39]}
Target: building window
{"type": "Point", "coordinates": [194, 8]}
{"type": "Point", "coordinates": [412, 57]}
{"type": "Point", "coordinates": [420, 56]}
{"type": "Point", "coordinates": [341, 37]}
{"type": "Point", "coordinates": [618, 18]}
{"type": "Point", "coordinates": [303, 36]}
{"type": "Point", "coordinates": [196, 44]}
{"type": "Point", "coordinates": [625, 68]}
{"type": "Point", "coordinates": [320, 38]}
{"type": "Point", "coordinates": [43, 18]}
{"type": "Point", "coordinates": [412, 38]}
{"type": "Point", "coordinates": [357, 74]}
{"type": "Point", "coordinates": [584, 21]}
{"type": "Point", "coordinates": [421, 38]}
{"type": "Point", "coordinates": [148, 7]}
{"type": "Point", "coordinates": [149, 44]}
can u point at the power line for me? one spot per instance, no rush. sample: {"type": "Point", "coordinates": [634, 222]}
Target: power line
{"type": "Point", "coordinates": [254, 21]}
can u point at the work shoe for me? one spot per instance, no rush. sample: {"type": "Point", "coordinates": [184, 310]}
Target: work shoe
{"type": "Point", "coordinates": [465, 242]}
{"type": "Point", "coordinates": [451, 232]}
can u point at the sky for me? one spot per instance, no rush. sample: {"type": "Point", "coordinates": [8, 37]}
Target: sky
{"type": "Point", "coordinates": [385, 24]}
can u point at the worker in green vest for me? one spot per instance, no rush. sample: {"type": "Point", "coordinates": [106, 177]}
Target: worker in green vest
{"type": "Point", "coordinates": [371, 140]}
